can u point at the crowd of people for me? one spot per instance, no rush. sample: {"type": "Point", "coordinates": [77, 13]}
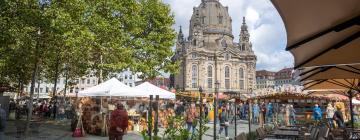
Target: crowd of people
{"type": "Point", "coordinates": [262, 113]}
{"type": "Point", "coordinates": [44, 109]}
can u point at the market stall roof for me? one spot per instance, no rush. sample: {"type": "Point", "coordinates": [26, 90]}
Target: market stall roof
{"type": "Point", "coordinates": [321, 32]}
{"type": "Point", "coordinates": [331, 72]}
{"type": "Point", "coordinates": [112, 87]}
{"type": "Point", "coordinates": [330, 94]}
{"type": "Point", "coordinates": [154, 90]}
{"type": "Point", "coordinates": [355, 101]}
{"type": "Point", "coordinates": [332, 84]}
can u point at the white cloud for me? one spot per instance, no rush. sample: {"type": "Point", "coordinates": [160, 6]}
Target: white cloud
{"type": "Point", "coordinates": [267, 32]}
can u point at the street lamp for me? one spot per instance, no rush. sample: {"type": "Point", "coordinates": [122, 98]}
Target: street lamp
{"type": "Point", "coordinates": [215, 104]}
{"type": "Point", "coordinates": [201, 112]}
{"type": "Point", "coordinates": [249, 119]}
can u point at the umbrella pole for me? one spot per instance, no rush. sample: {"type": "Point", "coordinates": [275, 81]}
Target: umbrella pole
{"type": "Point", "coordinates": [351, 109]}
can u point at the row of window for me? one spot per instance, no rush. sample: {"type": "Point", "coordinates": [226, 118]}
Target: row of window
{"type": "Point", "coordinates": [126, 77]}
{"type": "Point", "coordinates": [194, 75]}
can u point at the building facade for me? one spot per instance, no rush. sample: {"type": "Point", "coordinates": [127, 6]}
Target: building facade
{"type": "Point", "coordinates": [265, 79]}
{"type": "Point", "coordinates": [285, 77]}
{"type": "Point", "coordinates": [210, 54]}
{"type": "Point", "coordinates": [45, 88]}
{"type": "Point", "coordinates": [128, 77]}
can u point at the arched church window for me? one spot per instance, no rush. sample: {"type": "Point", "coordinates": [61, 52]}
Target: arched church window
{"type": "Point", "coordinates": [227, 77]}
{"type": "Point", "coordinates": [203, 20]}
{"type": "Point", "coordinates": [194, 42]}
{"type": "Point", "coordinates": [241, 78]}
{"type": "Point", "coordinates": [210, 76]}
{"type": "Point", "coordinates": [194, 73]}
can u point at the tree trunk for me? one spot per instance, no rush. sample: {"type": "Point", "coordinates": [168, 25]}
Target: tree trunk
{"type": "Point", "coordinates": [19, 88]}
{"type": "Point", "coordinates": [38, 88]}
{"type": "Point", "coordinates": [66, 81]}
{"type": "Point", "coordinates": [33, 79]}
{"type": "Point", "coordinates": [56, 77]}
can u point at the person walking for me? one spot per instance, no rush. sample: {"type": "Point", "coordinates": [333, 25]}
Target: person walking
{"type": "Point", "coordinates": [263, 112]}
{"type": "Point", "coordinates": [292, 115]}
{"type": "Point", "coordinates": [256, 112]}
{"type": "Point", "coordinates": [224, 122]}
{"type": "Point", "coordinates": [287, 115]}
{"type": "Point", "coordinates": [338, 117]}
{"type": "Point", "coordinates": [191, 115]}
{"type": "Point", "coordinates": [282, 114]}
{"type": "Point", "coordinates": [330, 111]}
{"type": "Point", "coordinates": [118, 122]}
{"type": "Point", "coordinates": [61, 112]}
{"type": "Point", "coordinates": [317, 113]}
{"type": "Point", "coordinates": [269, 113]}
{"type": "Point", "coordinates": [2, 123]}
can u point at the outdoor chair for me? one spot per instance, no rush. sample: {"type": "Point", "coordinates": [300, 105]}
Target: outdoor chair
{"type": "Point", "coordinates": [332, 137]}
{"type": "Point", "coordinates": [312, 135]}
{"type": "Point", "coordinates": [242, 136]}
{"type": "Point", "coordinates": [323, 133]}
{"type": "Point", "coordinates": [262, 134]}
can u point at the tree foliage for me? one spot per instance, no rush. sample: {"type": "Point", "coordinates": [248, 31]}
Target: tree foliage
{"type": "Point", "coordinates": [79, 36]}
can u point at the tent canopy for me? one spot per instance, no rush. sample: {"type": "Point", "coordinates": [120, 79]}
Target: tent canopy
{"type": "Point", "coordinates": [332, 84]}
{"type": "Point", "coordinates": [331, 72]}
{"type": "Point", "coordinates": [154, 90]}
{"type": "Point", "coordinates": [321, 32]}
{"type": "Point", "coordinates": [112, 87]}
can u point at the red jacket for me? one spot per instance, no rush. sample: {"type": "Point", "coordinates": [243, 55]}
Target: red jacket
{"type": "Point", "coordinates": [119, 118]}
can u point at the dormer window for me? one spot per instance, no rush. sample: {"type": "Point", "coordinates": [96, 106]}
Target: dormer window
{"type": "Point", "coordinates": [227, 56]}
{"type": "Point", "coordinates": [193, 55]}
{"type": "Point", "coordinates": [220, 19]}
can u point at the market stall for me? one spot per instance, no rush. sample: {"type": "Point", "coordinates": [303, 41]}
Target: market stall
{"type": "Point", "coordinates": [97, 103]}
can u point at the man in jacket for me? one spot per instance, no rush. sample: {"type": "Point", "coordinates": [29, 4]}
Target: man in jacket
{"type": "Point", "coordinates": [2, 122]}
{"type": "Point", "coordinates": [118, 123]}
{"type": "Point", "coordinates": [317, 113]}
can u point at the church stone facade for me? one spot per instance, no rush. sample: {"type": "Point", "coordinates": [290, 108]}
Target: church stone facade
{"type": "Point", "coordinates": [210, 54]}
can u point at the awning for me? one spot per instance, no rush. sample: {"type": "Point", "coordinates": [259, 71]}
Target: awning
{"type": "Point", "coordinates": [331, 72]}
{"type": "Point", "coordinates": [154, 90]}
{"type": "Point", "coordinates": [112, 87]}
{"type": "Point", "coordinates": [330, 94]}
{"type": "Point", "coordinates": [321, 32]}
{"type": "Point", "coordinates": [332, 84]}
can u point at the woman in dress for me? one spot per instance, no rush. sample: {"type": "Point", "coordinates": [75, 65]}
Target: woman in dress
{"type": "Point", "coordinates": [330, 110]}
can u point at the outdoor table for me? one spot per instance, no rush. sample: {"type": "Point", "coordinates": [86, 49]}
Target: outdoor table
{"type": "Point", "coordinates": [289, 128]}
{"type": "Point", "coordinates": [275, 139]}
{"type": "Point", "coordinates": [286, 134]}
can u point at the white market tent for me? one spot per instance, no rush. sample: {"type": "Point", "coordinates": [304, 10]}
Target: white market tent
{"type": "Point", "coordinates": [355, 101]}
{"type": "Point", "coordinates": [112, 87]}
{"type": "Point", "coordinates": [154, 90]}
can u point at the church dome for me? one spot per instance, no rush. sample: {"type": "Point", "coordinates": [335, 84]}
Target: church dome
{"type": "Point", "coordinates": [211, 17]}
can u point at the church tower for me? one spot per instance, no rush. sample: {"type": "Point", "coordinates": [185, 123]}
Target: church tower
{"type": "Point", "coordinates": [210, 24]}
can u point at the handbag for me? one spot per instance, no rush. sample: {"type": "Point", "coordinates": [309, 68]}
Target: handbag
{"type": "Point", "coordinates": [79, 131]}
{"type": "Point", "coordinates": [227, 123]}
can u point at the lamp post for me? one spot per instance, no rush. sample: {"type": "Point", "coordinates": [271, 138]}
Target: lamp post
{"type": "Point", "coordinates": [216, 102]}
{"type": "Point", "coordinates": [249, 119]}
{"type": "Point", "coordinates": [201, 112]}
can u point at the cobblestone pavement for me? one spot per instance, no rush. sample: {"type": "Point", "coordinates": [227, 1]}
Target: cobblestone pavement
{"type": "Point", "coordinates": [53, 130]}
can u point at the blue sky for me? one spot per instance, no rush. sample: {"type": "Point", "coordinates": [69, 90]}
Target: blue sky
{"type": "Point", "coordinates": [267, 31]}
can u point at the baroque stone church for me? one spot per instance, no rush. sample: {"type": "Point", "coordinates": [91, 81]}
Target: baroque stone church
{"type": "Point", "coordinates": [210, 54]}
